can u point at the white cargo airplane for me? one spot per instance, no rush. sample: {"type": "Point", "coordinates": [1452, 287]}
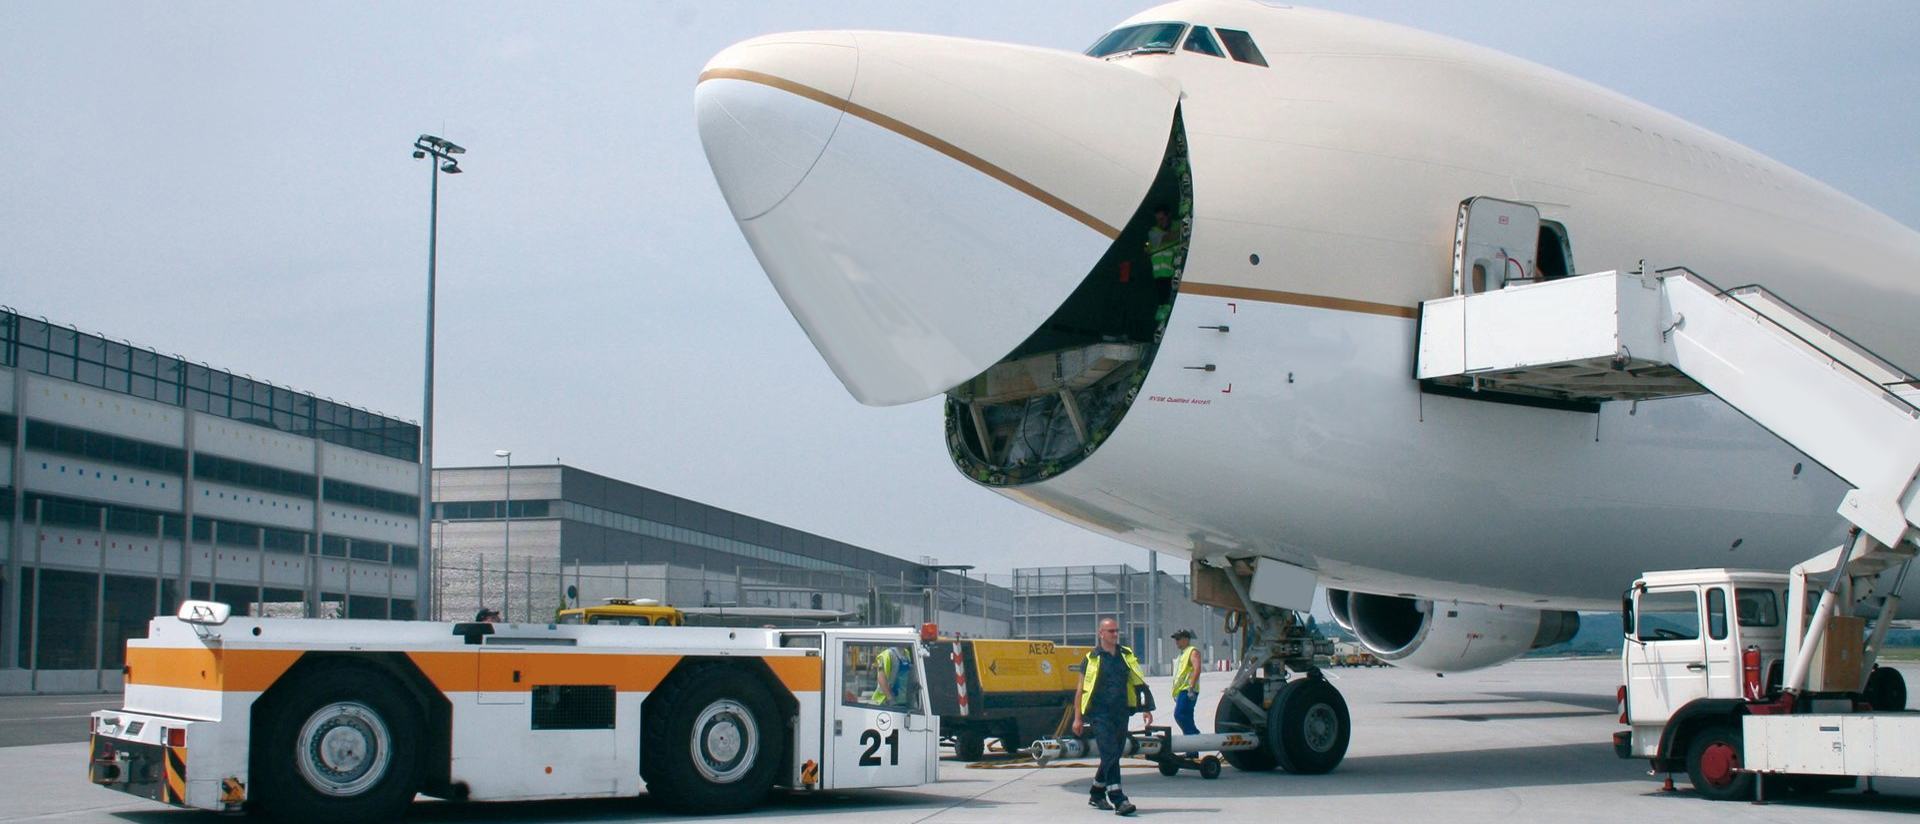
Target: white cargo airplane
{"type": "Point", "coordinates": [979, 219]}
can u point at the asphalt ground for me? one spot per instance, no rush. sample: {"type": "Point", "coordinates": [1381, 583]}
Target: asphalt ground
{"type": "Point", "coordinates": [1528, 741]}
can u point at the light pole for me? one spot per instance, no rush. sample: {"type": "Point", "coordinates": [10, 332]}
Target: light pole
{"type": "Point", "coordinates": [442, 152]}
{"type": "Point", "coordinates": [506, 544]}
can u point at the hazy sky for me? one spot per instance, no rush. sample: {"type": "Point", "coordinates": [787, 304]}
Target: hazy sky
{"type": "Point", "coordinates": [232, 182]}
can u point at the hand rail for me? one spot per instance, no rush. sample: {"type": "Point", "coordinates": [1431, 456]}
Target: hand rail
{"type": "Point", "coordinates": [1837, 337]}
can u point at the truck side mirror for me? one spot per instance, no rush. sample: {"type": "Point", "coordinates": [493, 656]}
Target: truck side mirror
{"type": "Point", "coordinates": [1626, 613]}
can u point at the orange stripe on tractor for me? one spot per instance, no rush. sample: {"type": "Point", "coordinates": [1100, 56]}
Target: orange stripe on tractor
{"type": "Point", "coordinates": [232, 670]}
{"type": "Point", "coordinates": [519, 670]}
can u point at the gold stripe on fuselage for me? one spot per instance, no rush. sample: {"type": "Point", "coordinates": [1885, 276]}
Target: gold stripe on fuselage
{"type": "Point", "coordinates": [921, 137]}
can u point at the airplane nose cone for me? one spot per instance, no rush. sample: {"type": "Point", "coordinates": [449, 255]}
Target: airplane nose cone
{"type": "Point", "coordinates": [764, 133]}
{"type": "Point", "coordinates": [923, 204]}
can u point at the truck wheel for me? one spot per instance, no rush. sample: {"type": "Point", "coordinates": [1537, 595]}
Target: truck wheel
{"type": "Point", "coordinates": [1311, 726]}
{"type": "Point", "coordinates": [1886, 690]}
{"type": "Point", "coordinates": [710, 741]}
{"type": "Point", "coordinates": [1713, 764]}
{"type": "Point", "coordinates": [1229, 717]}
{"type": "Point", "coordinates": [340, 747]}
{"type": "Point", "coordinates": [970, 744]}
{"type": "Point", "coordinates": [1010, 739]}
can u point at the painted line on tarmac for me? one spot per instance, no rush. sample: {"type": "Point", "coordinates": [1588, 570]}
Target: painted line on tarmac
{"type": "Point", "coordinates": [41, 718]}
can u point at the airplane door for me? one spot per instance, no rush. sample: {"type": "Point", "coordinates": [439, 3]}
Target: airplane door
{"type": "Point", "coordinates": [879, 735]}
{"type": "Point", "coordinates": [1494, 242]}
{"type": "Point", "coordinates": [1670, 667]}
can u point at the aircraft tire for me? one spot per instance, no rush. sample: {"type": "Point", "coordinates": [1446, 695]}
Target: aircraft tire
{"type": "Point", "coordinates": [1309, 726]}
{"type": "Point", "coordinates": [1229, 717]}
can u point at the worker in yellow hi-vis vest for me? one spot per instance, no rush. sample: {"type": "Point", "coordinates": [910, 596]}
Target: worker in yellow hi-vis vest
{"type": "Point", "coordinates": [1186, 683]}
{"type": "Point", "coordinates": [1163, 242]}
{"type": "Point", "coordinates": [1112, 689]}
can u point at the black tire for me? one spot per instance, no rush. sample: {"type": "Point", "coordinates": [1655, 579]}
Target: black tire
{"type": "Point", "coordinates": [1886, 690]}
{"type": "Point", "coordinates": [970, 744]}
{"type": "Point", "coordinates": [340, 746]}
{"type": "Point", "coordinates": [710, 740]}
{"type": "Point", "coordinates": [1311, 726]}
{"type": "Point", "coordinates": [1209, 768]}
{"type": "Point", "coordinates": [1713, 757]}
{"type": "Point", "coordinates": [1229, 717]}
{"type": "Point", "coordinates": [1169, 768]}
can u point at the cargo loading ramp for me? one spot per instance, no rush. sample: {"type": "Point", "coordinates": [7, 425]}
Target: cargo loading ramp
{"type": "Point", "coordinates": [1614, 336]}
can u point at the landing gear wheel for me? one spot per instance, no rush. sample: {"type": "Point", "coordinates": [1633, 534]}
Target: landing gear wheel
{"type": "Point", "coordinates": [710, 741]}
{"type": "Point", "coordinates": [970, 745]}
{"type": "Point", "coordinates": [1230, 717]}
{"type": "Point", "coordinates": [1886, 690]}
{"type": "Point", "coordinates": [1713, 764]}
{"type": "Point", "coordinates": [1310, 725]}
{"type": "Point", "coordinates": [340, 747]}
{"type": "Point", "coordinates": [1169, 768]}
{"type": "Point", "coordinates": [1210, 768]}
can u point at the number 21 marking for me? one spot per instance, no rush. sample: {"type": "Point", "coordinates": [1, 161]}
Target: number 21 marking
{"type": "Point", "coordinates": [871, 738]}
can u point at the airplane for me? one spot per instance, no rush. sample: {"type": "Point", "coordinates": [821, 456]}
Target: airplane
{"type": "Point", "coordinates": [1170, 289]}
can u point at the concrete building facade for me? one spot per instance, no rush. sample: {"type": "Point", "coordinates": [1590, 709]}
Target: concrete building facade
{"type": "Point", "coordinates": [534, 539]}
{"type": "Point", "coordinates": [1065, 605]}
{"type": "Point", "coordinates": [136, 479]}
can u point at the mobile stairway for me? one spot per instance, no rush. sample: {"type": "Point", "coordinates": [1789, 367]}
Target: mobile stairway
{"type": "Point", "coordinates": [1630, 336]}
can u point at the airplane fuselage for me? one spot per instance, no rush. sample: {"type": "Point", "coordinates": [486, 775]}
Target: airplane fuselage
{"type": "Point", "coordinates": [923, 204]}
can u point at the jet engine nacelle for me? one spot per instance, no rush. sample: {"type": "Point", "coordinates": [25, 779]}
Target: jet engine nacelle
{"type": "Point", "coordinates": [1448, 636]}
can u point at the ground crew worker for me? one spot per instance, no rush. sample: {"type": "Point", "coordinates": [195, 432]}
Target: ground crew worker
{"type": "Point", "coordinates": [891, 669]}
{"type": "Point", "coordinates": [1186, 683]}
{"type": "Point", "coordinates": [1112, 689]}
{"type": "Point", "coordinates": [1162, 244]}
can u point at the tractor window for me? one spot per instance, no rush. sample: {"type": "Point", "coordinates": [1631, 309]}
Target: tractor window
{"type": "Point", "coordinates": [1757, 607]}
{"type": "Point", "coordinates": [880, 675]}
{"type": "Point", "coordinates": [1717, 613]}
{"type": "Point", "coordinates": [1669, 616]}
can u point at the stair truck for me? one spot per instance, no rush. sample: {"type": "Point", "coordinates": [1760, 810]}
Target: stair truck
{"type": "Point", "coordinates": [1737, 679]}
{"type": "Point", "coordinates": [1734, 676]}
{"type": "Point", "coordinates": [1015, 691]}
{"type": "Point", "coordinates": [331, 721]}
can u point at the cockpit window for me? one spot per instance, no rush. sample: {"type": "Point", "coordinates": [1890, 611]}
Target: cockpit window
{"type": "Point", "coordinates": [1240, 45]}
{"type": "Point", "coordinates": [1200, 40]}
{"type": "Point", "coordinates": [1146, 37]}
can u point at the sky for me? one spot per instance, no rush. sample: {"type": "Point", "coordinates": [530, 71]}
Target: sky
{"type": "Point", "coordinates": [232, 182]}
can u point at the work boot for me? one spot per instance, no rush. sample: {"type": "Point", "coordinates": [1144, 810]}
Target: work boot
{"type": "Point", "coordinates": [1098, 800]}
{"type": "Point", "coordinates": [1123, 807]}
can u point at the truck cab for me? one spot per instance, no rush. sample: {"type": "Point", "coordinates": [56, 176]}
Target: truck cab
{"type": "Point", "coordinates": [1698, 634]}
{"type": "Point", "coordinates": [1734, 676]}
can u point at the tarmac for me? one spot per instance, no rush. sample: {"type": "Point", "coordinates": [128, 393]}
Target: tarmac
{"type": "Point", "coordinates": [1527, 741]}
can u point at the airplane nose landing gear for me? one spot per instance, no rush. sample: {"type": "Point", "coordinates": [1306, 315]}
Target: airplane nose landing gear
{"type": "Point", "coordinates": [1303, 723]}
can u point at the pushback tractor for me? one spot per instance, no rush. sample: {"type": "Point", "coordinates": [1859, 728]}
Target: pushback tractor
{"type": "Point", "coordinates": [349, 720]}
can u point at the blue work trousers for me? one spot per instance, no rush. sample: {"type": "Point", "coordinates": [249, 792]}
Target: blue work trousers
{"type": "Point", "coordinates": [1110, 735]}
{"type": "Point", "coordinates": [1183, 711]}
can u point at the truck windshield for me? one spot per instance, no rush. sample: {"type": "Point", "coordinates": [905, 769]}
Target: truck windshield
{"type": "Point", "coordinates": [1146, 37]}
